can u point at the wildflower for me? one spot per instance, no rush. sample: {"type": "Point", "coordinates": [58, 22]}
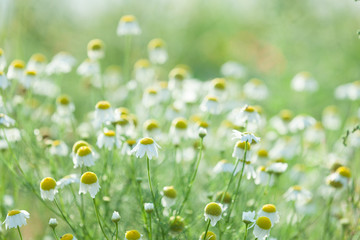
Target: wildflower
{"type": "Point", "coordinates": [37, 63]}
{"type": "Point", "coordinates": [248, 217]}
{"type": "Point", "coordinates": [128, 146]}
{"type": "Point", "coordinates": [16, 70]}
{"type": "Point", "coordinates": [146, 146]}
{"type": "Point", "coordinates": [218, 88]}
{"type": "Point", "coordinates": [125, 125]}
{"type": "Point", "coordinates": [2, 60]}
{"type": "Point", "coordinates": [115, 217]}
{"type": "Point", "coordinates": [245, 137]}
{"type": "Point", "coordinates": [150, 98]}
{"type": "Point", "coordinates": [340, 178]}
{"type": "Point", "coordinates": [223, 166]}
{"type": "Point", "coordinates": [233, 70]}
{"type": "Point", "coordinates": [133, 235]}
{"type": "Point", "coordinates": [269, 211]}
{"type": "Point", "coordinates": [6, 120]}
{"type": "Point", "coordinates": [68, 179]}
{"type": "Point", "coordinates": [331, 118]}
{"type": "Point", "coordinates": [64, 106]}
{"type": "Point", "coordinates": [62, 62]}
{"type": "Point", "coordinates": [89, 183]}
{"type": "Point", "coordinates": [239, 150]}
{"type": "Point", "coordinates": [95, 49]}
{"type": "Point", "coordinates": [84, 156]}
{"type": "Point", "coordinates": [128, 26]}
{"type": "Point", "coordinates": [209, 236]}
{"type": "Point", "coordinates": [177, 224]}
{"type": "Point", "coordinates": [28, 78]}
{"type": "Point", "coordinates": [149, 207]}
{"type": "Point", "coordinates": [301, 122]}
{"type": "Point", "coordinates": [223, 198]}
{"type": "Point", "coordinates": [213, 212]}
{"type": "Point", "coordinates": [315, 133]}
{"type": "Point", "coordinates": [169, 196]}
{"type": "Point", "coordinates": [59, 148]}
{"type": "Point", "coordinates": [282, 121]}
{"type": "Point", "coordinates": [151, 128]}
{"type": "Point", "coordinates": [211, 104]}
{"type": "Point", "coordinates": [89, 68]}
{"type": "Point", "coordinates": [304, 82]}
{"type": "Point", "coordinates": [262, 228]}
{"type": "Point", "coordinates": [262, 156]}
{"type": "Point", "coordinates": [144, 73]}
{"type": "Point", "coordinates": [297, 194]}
{"type": "Point", "coordinates": [48, 188]}
{"type": "Point", "coordinates": [68, 236]}
{"type": "Point", "coordinates": [103, 113]}
{"type": "Point", "coordinates": [4, 82]}
{"type": "Point", "coordinates": [178, 130]}
{"type": "Point", "coordinates": [349, 91]}
{"type": "Point", "coordinates": [53, 223]}
{"type": "Point", "coordinates": [249, 170]}
{"type": "Point", "coordinates": [248, 114]}
{"type": "Point", "coordinates": [255, 89]}
{"type": "Point", "coordinates": [157, 51]}
{"type": "Point", "coordinates": [78, 145]}
{"type": "Point", "coordinates": [177, 77]}
{"type": "Point", "coordinates": [277, 168]}
{"type": "Point", "coordinates": [108, 140]}
{"type": "Point", "coordinates": [263, 177]}
{"type": "Point", "coordinates": [16, 218]}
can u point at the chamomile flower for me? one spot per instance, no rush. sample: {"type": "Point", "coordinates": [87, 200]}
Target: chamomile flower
{"type": "Point", "coordinates": [249, 170]}
{"type": "Point", "coordinates": [146, 146]}
{"type": "Point", "coordinates": [37, 63]}
{"type": "Point", "coordinates": [127, 146]}
{"type": "Point", "coordinates": [218, 88]}
{"type": "Point", "coordinates": [95, 49]}
{"type": "Point", "coordinates": [209, 236]}
{"type": "Point", "coordinates": [282, 121]}
{"type": "Point", "coordinates": [6, 121]}
{"type": "Point", "coordinates": [315, 133]}
{"type": "Point", "coordinates": [84, 157]}
{"type": "Point", "coordinates": [297, 194]}
{"type": "Point", "coordinates": [255, 89]}
{"type": "Point", "coordinates": [62, 62]}
{"type": "Point", "coordinates": [331, 118]}
{"type": "Point", "coordinates": [269, 211]}
{"type": "Point", "coordinates": [211, 105]}
{"type": "Point", "coordinates": [68, 179]}
{"type": "Point", "coordinates": [149, 207]}
{"type": "Point", "coordinates": [128, 26]}
{"type": "Point", "coordinates": [301, 122]}
{"type": "Point", "coordinates": [107, 139]}
{"type": "Point", "coordinates": [144, 72]}
{"type": "Point", "coordinates": [248, 217]}
{"type": "Point", "coordinates": [48, 188]}
{"type": "Point", "coordinates": [340, 178]}
{"type": "Point", "coordinates": [89, 68]}
{"type": "Point", "coordinates": [177, 225]}
{"type": "Point", "coordinates": [4, 82]}
{"type": "Point", "coordinates": [223, 166]}
{"type": "Point", "coordinates": [53, 223]}
{"type": "Point", "coordinates": [28, 79]}
{"type": "Point", "coordinates": [157, 51]}
{"type": "Point", "coordinates": [233, 70]}
{"type": "Point", "coordinates": [2, 60]}
{"type": "Point", "coordinates": [133, 235]}
{"type": "Point", "coordinates": [68, 236]}
{"type": "Point", "coordinates": [179, 130]}
{"type": "Point", "coordinates": [16, 70]}
{"type": "Point", "coordinates": [103, 113]}
{"type": "Point", "coordinates": [16, 218]}
{"type": "Point", "coordinates": [125, 125]}
{"type": "Point", "coordinates": [115, 217]}
{"type": "Point", "coordinates": [59, 148]}
{"type": "Point", "coordinates": [152, 128]}
{"type": "Point", "coordinates": [262, 156]}
{"type": "Point", "coordinates": [89, 183]}
{"type": "Point", "coordinates": [304, 82]}
{"type": "Point", "coordinates": [176, 78]}
{"type": "Point", "coordinates": [245, 137]}
{"type": "Point", "coordinates": [213, 212]}
{"type": "Point", "coordinates": [239, 150]}
{"type": "Point", "coordinates": [277, 168]}
{"type": "Point", "coordinates": [262, 228]}
{"type": "Point", "coordinates": [248, 114]}
{"type": "Point", "coordinates": [224, 198]}
{"type": "Point", "coordinates": [263, 178]}
{"type": "Point", "coordinates": [64, 111]}
{"type": "Point", "coordinates": [150, 97]}
{"type": "Point", "coordinates": [169, 196]}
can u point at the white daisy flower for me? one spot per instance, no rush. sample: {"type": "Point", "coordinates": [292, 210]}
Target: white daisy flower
{"type": "Point", "coordinates": [233, 70]}
{"type": "Point", "coordinates": [37, 63]}
{"type": "Point", "coordinates": [269, 211]}
{"type": "Point", "coordinates": [16, 218]}
{"type": "Point", "coordinates": [179, 130]}
{"type": "Point", "coordinates": [89, 183]}
{"type": "Point", "coordinates": [262, 177]}
{"type": "Point", "coordinates": [150, 97]}
{"type": "Point", "coordinates": [301, 122]}
{"type": "Point", "coordinates": [62, 62]}
{"type": "Point", "coordinates": [255, 89]}
{"type": "Point", "coordinates": [4, 82]}
{"type": "Point", "coordinates": [248, 217]}
{"type": "Point", "coordinates": [331, 118]}
{"type": "Point", "coordinates": [277, 168]}
{"type": "Point", "coordinates": [95, 49]}
{"type": "Point", "coordinates": [176, 79]}
{"type": "Point", "coordinates": [84, 156]}
{"type": "Point", "coordinates": [213, 212]}
{"type": "Point", "coordinates": [127, 146]}
{"type": "Point", "coordinates": [48, 188]}
{"type": "Point", "coordinates": [89, 68]}
{"type": "Point", "coordinates": [68, 236]}
{"type": "Point", "coordinates": [107, 139]}
{"type": "Point", "coordinates": [297, 194]}
{"type": "Point", "coordinates": [6, 121]}
{"type": "Point", "coordinates": [28, 79]}
{"type": "Point", "coordinates": [262, 228]}
{"type": "Point", "coordinates": [144, 72]}
{"type": "Point", "coordinates": [59, 148]}
{"type": "Point", "coordinates": [245, 137]}
{"type": "Point", "coordinates": [239, 151]}
{"type": "Point", "coordinates": [281, 121]}
{"type": "Point", "coordinates": [249, 170]}
{"type": "Point", "coordinates": [223, 166]}
{"type": "Point", "coordinates": [218, 88]}
{"type": "Point", "coordinates": [340, 178]}
{"type": "Point", "coordinates": [128, 26]}
{"type": "Point", "coordinates": [115, 217]}
{"type": "Point", "coordinates": [248, 114]}
{"type": "Point", "coordinates": [2, 60]}
{"type": "Point", "coordinates": [133, 235]}
{"type": "Point", "coordinates": [149, 207]}
{"type": "Point", "coordinates": [72, 178]}
{"type": "Point", "coordinates": [224, 198]}
{"type": "Point", "coordinates": [152, 128]}
{"type": "Point", "coordinates": [146, 146]}
{"type": "Point", "coordinates": [211, 105]}
{"type": "Point", "coordinates": [103, 113]}
{"type": "Point", "coordinates": [16, 70]}
{"type": "Point", "coordinates": [304, 82]}
{"type": "Point", "coordinates": [169, 196]}
{"type": "Point", "coordinates": [157, 51]}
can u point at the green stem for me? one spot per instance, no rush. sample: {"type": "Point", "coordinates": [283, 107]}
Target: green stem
{"type": "Point", "coordinates": [55, 234]}
{"type": "Point", "coordinates": [98, 218]}
{"type": "Point", "coordinates": [246, 231]}
{"type": "Point", "coordinates": [207, 229]}
{"type": "Point", "coordinates": [18, 228]}
{"type": "Point", "coordinates": [117, 231]}
{"type": "Point", "coordinates": [327, 220]}
{"type": "Point", "coordinates": [63, 216]}
{"type": "Point", "coordinates": [150, 227]}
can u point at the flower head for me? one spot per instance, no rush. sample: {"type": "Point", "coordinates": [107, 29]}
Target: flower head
{"type": "Point", "coordinates": [128, 26]}
{"type": "Point", "coordinates": [146, 146]}
{"type": "Point", "coordinates": [213, 212]}
{"type": "Point", "coordinates": [16, 218]}
{"type": "Point", "coordinates": [248, 217]}
{"type": "Point", "coordinates": [48, 188]}
{"type": "Point", "coordinates": [169, 196]}
{"type": "Point", "coordinates": [115, 217]}
{"type": "Point", "coordinates": [209, 236]}
{"type": "Point", "coordinates": [133, 235]}
{"type": "Point", "coordinates": [269, 211]}
{"type": "Point", "coordinates": [68, 236]}
{"type": "Point", "coordinates": [89, 183]}
{"type": "Point", "coordinates": [262, 228]}
{"type": "Point", "coordinates": [245, 137]}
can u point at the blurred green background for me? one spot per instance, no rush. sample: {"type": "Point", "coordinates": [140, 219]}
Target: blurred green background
{"type": "Point", "coordinates": [273, 39]}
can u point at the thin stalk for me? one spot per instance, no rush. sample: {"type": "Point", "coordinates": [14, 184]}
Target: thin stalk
{"type": "Point", "coordinates": [98, 218]}
{"type": "Point", "coordinates": [63, 216]}
{"type": "Point", "coordinates": [150, 227]}
{"type": "Point", "coordinates": [55, 234]}
{"type": "Point", "coordinates": [327, 220]}
{"type": "Point", "coordinates": [117, 231]}
{"type": "Point", "coordinates": [18, 228]}
{"type": "Point", "coordinates": [246, 231]}
{"type": "Point", "coordinates": [207, 229]}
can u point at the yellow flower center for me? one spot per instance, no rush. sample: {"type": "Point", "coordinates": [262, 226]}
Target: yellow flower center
{"type": "Point", "coordinates": [128, 18]}
{"type": "Point", "coordinates": [78, 145]}
{"type": "Point", "coordinates": [256, 81]}
{"type": "Point", "coordinates": [31, 73]}
{"type": "Point", "coordinates": [297, 188]}
{"type": "Point", "coordinates": [109, 133]}
{"type": "Point", "coordinates": [95, 44]}
{"type": "Point", "coordinates": [331, 109]}
{"type": "Point", "coordinates": [67, 236]}
{"type": "Point", "coordinates": [209, 236]}
{"type": "Point", "coordinates": [103, 105]}
{"type": "Point", "coordinates": [224, 196]}
{"type": "Point", "coordinates": [178, 74]}
{"type": "Point", "coordinates": [18, 64]}
{"type": "Point", "coordinates": [56, 143]}
{"type": "Point", "coordinates": [131, 142]}
{"type": "Point", "coordinates": [151, 91]}
{"type": "Point", "coordinates": [1, 51]}
{"type": "Point", "coordinates": [180, 123]}
{"type": "Point", "coordinates": [177, 225]}
{"type": "Point", "coordinates": [335, 184]}
{"type": "Point", "coordinates": [163, 84]}
{"type": "Point", "coordinates": [203, 124]}
{"type": "Point", "coordinates": [286, 115]}
{"type": "Point", "coordinates": [123, 110]}
{"type": "Point", "coordinates": [63, 100]}
{"type": "Point", "coordinates": [1, 73]}
{"type": "Point", "coordinates": [262, 153]}
{"type": "Point", "coordinates": [212, 98]}
{"type": "Point", "coordinates": [132, 235]}
{"type": "Point", "coordinates": [169, 192]}
{"type": "Point", "coordinates": [142, 63]}
{"type": "Point", "coordinates": [83, 151]}
{"type": "Point", "coordinates": [89, 178]}
{"type": "Point", "coordinates": [262, 168]}
{"type": "Point", "coordinates": [2, 115]}
{"type": "Point", "coordinates": [264, 223]}
{"type": "Point", "coordinates": [146, 141]}
{"type": "Point", "coordinates": [249, 109]}
{"type": "Point", "coordinates": [219, 83]}
{"type": "Point", "coordinates": [48, 184]}
{"type": "Point", "coordinates": [241, 145]}
{"type": "Point", "coordinates": [13, 212]}
{"type": "Point", "coordinates": [151, 125]}
{"type": "Point", "coordinates": [344, 171]}
{"type": "Point", "coordinates": [156, 43]}
{"type": "Point", "coordinates": [269, 208]}
{"type": "Point", "coordinates": [213, 209]}
{"type": "Point", "coordinates": [38, 57]}
{"type": "Point", "coordinates": [123, 121]}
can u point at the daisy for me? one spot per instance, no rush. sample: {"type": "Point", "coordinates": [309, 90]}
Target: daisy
{"type": "Point", "coordinates": [89, 68]}
{"type": "Point", "coordinates": [211, 105]}
{"type": "Point", "coordinates": [248, 217]}
{"type": "Point", "coordinates": [281, 121]}
{"type": "Point", "coordinates": [277, 168]}
{"type": "Point", "coordinates": [223, 198]}
{"type": "Point", "coordinates": [68, 236]}
{"type": "Point", "coordinates": [108, 140]}
{"type": "Point", "coordinates": [89, 183]}
{"type": "Point", "coordinates": [304, 82]}
{"type": "Point", "coordinates": [61, 63]}
{"type": "Point", "coordinates": [176, 78]}
{"type": "Point", "coordinates": [340, 178]}
{"type": "Point", "coordinates": [233, 70]}
{"type": "Point", "coordinates": [213, 212]}
{"type": "Point", "coordinates": [157, 51]}
{"type": "Point", "coordinates": [2, 60]}
{"type": "Point", "coordinates": [28, 78]}
{"type": "Point", "coordinates": [115, 217]}
{"type": "Point", "coordinates": [72, 178]}
{"type": "Point", "coordinates": [223, 166]}
{"type": "Point", "coordinates": [37, 63]}
{"type": "Point", "coordinates": [177, 224]}
{"type": "Point", "coordinates": [16, 218]}
{"type": "Point", "coordinates": [128, 146]}
{"type": "Point", "coordinates": [239, 151]}
{"type": "Point", "coordinates": [245, 137]}
{"type": "Point", "coordinates": [4, 82]}
{"type": "Point", "coordinates": [262, 228]}
{"type": "Point", "coordinates": [269, 211]}
{"type": "Point", "coordinates": [144, 73]}
{"type": "Point", "coordinates": [133, 235]}
{"type": "Point", "coordinates": [331, 118]}
{"type": "Point", "coordinates": [48, 188]}
{"type": "Point", "coordinates": [169, 196]}
{"type": "Point", "coordinates": [146, 146]}
{"type": "Point", "coordinates": [16, 70]}
{"type": "Point", "coordinates": [255, 89]}
{"type": "Point", "coordinates": [262, 177]}
{"type": "Point", "coordinates": [301, 122]}
{"type": "Point", "coordinates": [150, 97]}
{"type": "Point", "coordinates": [179, 130]}
{"type": "Point", "coordinates": [249, 170]}
{"type": "Point", "coordinates": [218, 88]}
{"type": "Point", "coordinates": [103, 113]}
{"type": "Point", "coordinates": [262, 156]}
{"type": "Point", "coordinates": [6, 120]}
{"type": "Point", "coordinates": [248, 114]}
{"type": "Point", "coordinates": [297, 194]}
{"type": "Point", "coordinates": [95, 49]}
{"type": "Point", "coordinates": [125, 125]}
{"type": "Point", "coordinates": [149, 207]}
{"type": "Point", "coordinates": [59, 148]}
{"type": "Point", "coordinates": [128, 26]}
{"type": "Point", "coordinates": [209, 236]}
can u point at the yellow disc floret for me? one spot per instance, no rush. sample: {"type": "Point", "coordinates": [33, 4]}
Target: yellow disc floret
{"type": "Point", "coordinates": [169, 191]}
{"type": "Point", "coordinates": [224, 197]}
{"type": "Point", "coordinates": [213, 209]}
{"type": "Point", "coordinates": [132, 235]}
{"type": "Point", "coordinates": [262, 153]}
{"type": "Point", "coordinates": [177, 225]}
{"type": "Point", "coordinates": [241, 145]}
{"type": "Point", "coordinates": [18, 64]}
{"type": "Point", "coordinates": [178, 74]}
{"type": "Point", "coordinates": [83, 151]}
{"type": "Point", "coordinates": [286, 115]}
{"type": "Point", "coordinates": [109, 133]}
{"type": "Point", "coordinates": [249, 109]}
{"type": "Point", "coordinates": [142, 63]}
{"type": "Point", "coordinates": [103, 105]}
{"type": "Point", "coordinates": [128, 18]}
{"type": "Point", "coordinates": [30, 73]}
{"type": "Point", "coordinates": [209, 236]}
{"type": "Point", "coordinates": [147, 141]}
{"type": "Point", "coordinates": [219, 83]}
{"type": "Point", "coordinates": [89, 178]}
{"type": "Point", "coordinates": [13, 212]}
{"type": "Point", "coordinates": [56, 143]}
{"type": "Point", "coordinates": [212, 98]}
{"type": "Point", "coordinates": [38, 57]}
{"type": "Point", "coordinates": [63, 100]}
{"type": "Point", "coordinates": [269, 208]}
{"type": "Point", "coordinates": [67, 236]}
{"type": "Point", "coordinates": [78, 145]}
{"type": "Point", "coordinates": [48, 184]}
{"type": "Point", "coordinates": [264, 223]}
{"type": "Point", "coordinates": [95, 44]}
{"type": "Point", "coordinates": [344, 171]}
{"type": "Point", "coordinates": [297, 188]}
{"type": "Point", "coordinates": [180, 123]}
{"type": "Point", "coordinates": [156, 43]}
{"type": "Point", "coordinates": [151, 124]}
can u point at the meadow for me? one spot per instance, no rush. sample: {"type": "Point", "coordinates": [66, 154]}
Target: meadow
{"type": "Point", "coordinates": [169, 120]}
